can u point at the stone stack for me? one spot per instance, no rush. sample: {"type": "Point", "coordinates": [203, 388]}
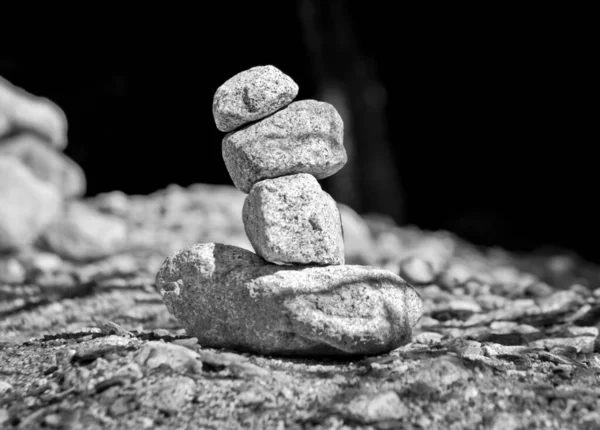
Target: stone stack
{"type": "Point", "coordinates": [295, 296]}
{"type": "Point", "coordinates": [41, 187]}
{"type": "Point", "coordinates": [35, 175]}
{"type": "Point", "coordinates": [288, 218]}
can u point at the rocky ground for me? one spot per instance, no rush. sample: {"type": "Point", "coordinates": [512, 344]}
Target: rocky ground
{"type": "Point", "coordinates": [506, 342]}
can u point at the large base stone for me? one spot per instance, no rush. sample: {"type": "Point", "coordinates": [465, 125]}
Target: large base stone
{"type": "Point", "coordinates": [229, 297]}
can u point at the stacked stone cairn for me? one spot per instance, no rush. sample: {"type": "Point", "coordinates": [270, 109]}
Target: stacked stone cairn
{"type": "Point", "coordinates": [35, 175]}
{"type": "Point", "coordinates": [295, 296]}
{"type": "Point", "coordinates": [41, 189]}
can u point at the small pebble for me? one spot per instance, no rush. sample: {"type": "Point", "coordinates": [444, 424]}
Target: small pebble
{"type": "Point", "coordinates": [584, 344]}
{"type": "Point", "coordinates": [428, 338]}
{"type": "Point", "coordinates": [187, 342]}
{"type": "Point", "coordinates": [170, 394]}
{"type": "Point", "coordinates": [379, 407]}
{"type": "Point", "coordinates": [583, 331]}
{"type": "Point", "coordinates": [11, 271]}
{"type": "Point", "coordinates": [4, 416]}
{"type": "Point", "coordinates": [560, 301]}
{"type": "Point", "coordinates": [5, 387]}
{"type": "Point", "coordinates": [156, 353]}
{"type": "Point", "coordinates": [538, 289]}
{"type": "Point", "coordinates": [417, 271]}
{"type": "Point", "coordinates": [53, 420]}
{"type": "Point", "coordinates": [44, 262]}
{"type": "Point", "coordinates": [441, 372]}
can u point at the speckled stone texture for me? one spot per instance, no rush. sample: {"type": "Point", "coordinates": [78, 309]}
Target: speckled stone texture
{"type": "Point", "coordinates": [229, 297]}
{"type": "Point", "coordinates": [292, 220]}
{"type": "Point", "coordinates": [27, 205]}
{"type": "Point", "coordinates": [45, 162]}
{"type": "Point", "coordinates": [251, 95]}
{"type": "Point", "coordinates": [305, 137]}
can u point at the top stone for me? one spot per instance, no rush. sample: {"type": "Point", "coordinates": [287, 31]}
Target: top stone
{"type": "Point", "coordinates": [251, 95]}
{"type": "Point", "coordinates": [20, 109]}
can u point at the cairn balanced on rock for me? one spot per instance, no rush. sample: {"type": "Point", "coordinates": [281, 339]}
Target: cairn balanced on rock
{"type": "Point", "coordinates": [295, 296]}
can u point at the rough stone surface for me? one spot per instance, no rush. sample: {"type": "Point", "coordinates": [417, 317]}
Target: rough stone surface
{"type": "Point", "coordinates": [305, 137]}
{"type": "Point", "coordinates": [229, 297]}
{"type": "Point", "coordinates": [46, 163]}
{"type": "Point", "coordinates": [171, 394]}
{"type": "Point", "coordinates": [25, 111]}
{"type": "Point", "coordinates": [84, 234]}
{"type": "Point", "coordinates": [485, 369]}
{"type": "Point", "coordinates": [177, 357]}
{"type": "Point", "coordinates": [292, 220]}
{"type": "Point", "coordinates": [252, 95]}
{"type": "Point", "coordinates": [376, 408]}
{"type": "Point", "coordinates": [27, 205]}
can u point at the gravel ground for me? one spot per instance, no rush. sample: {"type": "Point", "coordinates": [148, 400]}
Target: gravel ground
{"type": "Point", "coordinates": [507, 341]}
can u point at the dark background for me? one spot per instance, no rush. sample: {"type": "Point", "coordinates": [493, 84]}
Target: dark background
{"type": "Point", "coordinates": [486, 123]}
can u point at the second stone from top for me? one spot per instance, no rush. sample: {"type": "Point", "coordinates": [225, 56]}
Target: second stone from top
{"type": "Point", "coordinates": [305, 137]}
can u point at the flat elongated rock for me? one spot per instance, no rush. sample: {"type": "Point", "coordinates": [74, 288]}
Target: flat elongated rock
{"type": "Point", "coordinates": [292, 220]}
{"type": "Point", "coordinates": [251, 95]}
{"type": "Point", "coordinates": [27, 111]}
{"type": "Point", "coordinates": [229, 297]}
{"type": "Point", "coordinates": [305, 137]}
{"type": "Point", "coordinates": [27, 205]}
{"type": "Point", "coordinates": [46, 163]}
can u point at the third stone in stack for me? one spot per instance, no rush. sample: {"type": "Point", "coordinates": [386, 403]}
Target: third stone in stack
{"type": "Point", "coordinates": [297, 296]}
{"type": "Point", "coordinates": [277, 160]}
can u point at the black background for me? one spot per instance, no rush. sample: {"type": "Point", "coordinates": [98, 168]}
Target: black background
{"type": "Point", "coordinates": [489, 112]}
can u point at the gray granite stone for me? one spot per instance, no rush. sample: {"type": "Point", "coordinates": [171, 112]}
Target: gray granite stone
{"type": "Point", "coordinates": [292, 220]}
{"type": "Point", "coordinates": [305, 137]}
{"type": "Point", "coordinates": [251, 95]}
{"type": "Point", "coordinates": [179, 358]}
{"type": "Point", "coordinates": [45, 162]}
{"type": "Point", "coordinates": [27, 205]}
{"type": "Point", "coordinates": [229, 297]}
